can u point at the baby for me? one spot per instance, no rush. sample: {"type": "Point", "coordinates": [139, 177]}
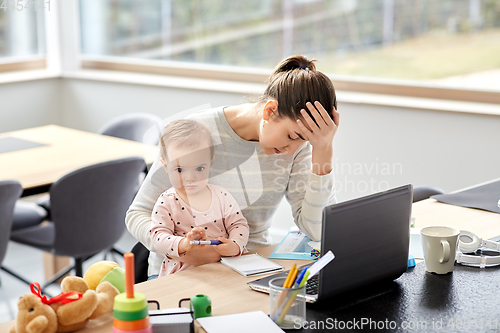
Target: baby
{"type": "Point", "coordinates": [192, 209]}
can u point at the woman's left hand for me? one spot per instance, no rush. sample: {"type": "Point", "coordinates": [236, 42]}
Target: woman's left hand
{"type": "Point", "coordinates": [321, 133]}
{"type": "Point", "coordinates": [320, 136]}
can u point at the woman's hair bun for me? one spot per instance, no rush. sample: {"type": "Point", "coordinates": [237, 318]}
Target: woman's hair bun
{"type": "Point", "coordinates": [294, 62]}
{"type": "Point", "coordinates": [294, 82]}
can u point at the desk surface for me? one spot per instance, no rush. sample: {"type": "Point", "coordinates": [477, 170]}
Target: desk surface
{"type": "Point", "coordinates": [65, 150]}
{"type": "Point", "coordinates": [411, 297]}
{"type": "Point", "coordinates": [226, 288]}
{"type": "Point", "coordinates": [431, 212]}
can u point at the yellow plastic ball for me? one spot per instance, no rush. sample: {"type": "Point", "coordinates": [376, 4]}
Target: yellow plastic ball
{"type": "Point", "coordinates": [97, 271]}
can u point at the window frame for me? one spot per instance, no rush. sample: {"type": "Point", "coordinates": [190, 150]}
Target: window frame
{"type": "Point", "coordinates": [14, 64]}
{"type": "Point", "coordinates": [259, 75]}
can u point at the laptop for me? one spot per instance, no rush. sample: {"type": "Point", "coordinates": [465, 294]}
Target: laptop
{"type": "Point", "coordinates": [369, 237]}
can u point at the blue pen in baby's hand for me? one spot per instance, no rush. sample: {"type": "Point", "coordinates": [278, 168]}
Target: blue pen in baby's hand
{"type": "Point", "coordinates": [206, 242]}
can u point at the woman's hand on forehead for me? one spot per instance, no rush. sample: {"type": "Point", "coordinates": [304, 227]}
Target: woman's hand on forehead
{"type": "Point", "coordinates": [320, 131]}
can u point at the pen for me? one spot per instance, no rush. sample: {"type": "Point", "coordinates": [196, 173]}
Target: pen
{"type": "Point", "coordinates": [299, 279]}
{"type": "Point", "coordinates": [205, 242]}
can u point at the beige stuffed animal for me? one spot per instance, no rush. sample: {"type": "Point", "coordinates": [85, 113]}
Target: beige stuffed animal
{"type": "Point", "coordinates": [65, 317]}
{"type": "Point", "coordinates": [34, 316]}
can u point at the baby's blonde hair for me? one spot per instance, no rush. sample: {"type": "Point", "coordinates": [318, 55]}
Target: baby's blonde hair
{"type": "Point", "coordinates": [185, 133]}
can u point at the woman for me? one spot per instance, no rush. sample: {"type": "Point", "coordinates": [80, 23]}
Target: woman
{"type": "Point", "coordinates": [280, 145]}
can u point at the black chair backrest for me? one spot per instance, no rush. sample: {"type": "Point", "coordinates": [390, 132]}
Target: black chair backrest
{"type": "Point", "coordinates": [141, 255]}
{"type": "Point", "coordinates": [140, 127]}
{"type": "Point", "coordinates": [10, 191]}
{"type": "Point", "coordinates": [89, 205]}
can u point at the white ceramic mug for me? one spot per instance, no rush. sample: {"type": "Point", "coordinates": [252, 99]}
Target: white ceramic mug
{"type": "Point", "coordinates": [440, 245]}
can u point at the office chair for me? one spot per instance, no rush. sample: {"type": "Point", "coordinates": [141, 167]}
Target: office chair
{"type": "Point", "coordinates": [424, 192]}
{"type": "Point", "coordinates": [28, 214]}
{"type": "Point", "coordinates": [88, 209]}
{"type": "Point", "coordinates": [25, 215]}
{"type": "Point", "coordinates": [10, 191]}
{"type": "Point", "coordinates": [140, 127]}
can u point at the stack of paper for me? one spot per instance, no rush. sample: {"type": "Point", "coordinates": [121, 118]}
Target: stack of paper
{"type": "Point", "coordinates": [251, 264]}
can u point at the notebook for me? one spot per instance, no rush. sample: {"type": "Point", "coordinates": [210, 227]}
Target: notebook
{"type": "Point", "coordinates": [251, 264]}
{"type": "Point", "coordinates": [485, 197]}
{"type": "Point", "coordinates": [369, 237]}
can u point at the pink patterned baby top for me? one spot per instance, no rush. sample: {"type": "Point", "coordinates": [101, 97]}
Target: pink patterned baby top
{"type": "Point", "coordinates": [173, 219]}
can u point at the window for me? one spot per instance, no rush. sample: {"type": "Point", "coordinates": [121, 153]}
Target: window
{"type": "Point", "coordinates": [441, 42]}
{"type": "Point", "coordinates": [22, 35]}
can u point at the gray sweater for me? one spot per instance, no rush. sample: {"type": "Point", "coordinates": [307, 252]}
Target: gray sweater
{"type": "Point", "coordinates": [257, 181]}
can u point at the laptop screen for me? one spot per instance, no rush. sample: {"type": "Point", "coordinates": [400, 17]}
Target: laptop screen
{"type": "Point", "coordinates": [370, 239]}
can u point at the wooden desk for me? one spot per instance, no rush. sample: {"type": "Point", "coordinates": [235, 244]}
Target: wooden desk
{"type": "Point", "coordinates": [226, 288]}
{"type": "Point", "coordinates": [65, 150]}
{"type": "Point", "coordinates": [431, 212]}
{"type": "Point", "coordinates": [230, 294]}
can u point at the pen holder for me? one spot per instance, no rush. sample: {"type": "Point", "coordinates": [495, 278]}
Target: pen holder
{"type": "Point", "coordinates": [287, 305]}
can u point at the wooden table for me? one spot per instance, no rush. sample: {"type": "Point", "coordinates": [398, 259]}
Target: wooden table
{"type": "Point", "coordinates": [229, 292]}
{"type": "Point", "coordinates": [431, 212]}
{"type": "Point", "coordinates": [226, 288]}
{"type": "Point", "coordinates": [65, 150]}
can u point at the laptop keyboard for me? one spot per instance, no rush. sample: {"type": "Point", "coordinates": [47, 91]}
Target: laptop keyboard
{"type": "Point", "coordinates": [312, 285]}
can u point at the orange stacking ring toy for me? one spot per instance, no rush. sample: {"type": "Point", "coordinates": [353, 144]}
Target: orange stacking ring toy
{"type": "Point", "coordinates": [131, 325]}
{"type": "Point", "coordinates": [144, 330]}
{"type": "Point", "coordinates": [130, 308]}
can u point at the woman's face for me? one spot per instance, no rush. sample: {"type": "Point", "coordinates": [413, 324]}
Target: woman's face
{"type": "Point", "coordinates": [279, 135]}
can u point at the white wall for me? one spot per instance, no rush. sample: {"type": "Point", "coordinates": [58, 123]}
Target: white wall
{"type": "Point", "coordinates": [396, 146]}
{"type": "Point", "coordinates": [29, 103]}
{"type": "Point", "coordinates": [375, 148]}
{"type": "Point", "coordinates": [87, 105]}
{"type": "Point", "coordinates": [381, 147]}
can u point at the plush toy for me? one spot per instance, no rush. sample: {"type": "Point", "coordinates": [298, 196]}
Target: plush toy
{"type": "Point", "coordinates": [93, 304]}
{"type": "Point", "coordinates": [105, 270]}
{"type": "Point", "coordinates": [34, 316]}
{"type": "Point", "coordinates": [67, 312]}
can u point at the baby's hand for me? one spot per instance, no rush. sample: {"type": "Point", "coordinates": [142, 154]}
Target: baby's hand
{"type": "Point", "coordinates": [195, 234]}
{"type": "Point", "coordinates": [228, 248]}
